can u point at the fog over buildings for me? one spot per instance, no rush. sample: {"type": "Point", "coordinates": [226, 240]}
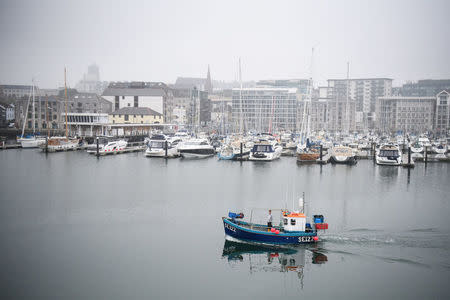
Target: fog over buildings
{"type": "Point", "coordinates": [162, 40]}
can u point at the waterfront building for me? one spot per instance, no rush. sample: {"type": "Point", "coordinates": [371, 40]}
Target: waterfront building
{"type": "Point", "coordinates": [442, 114]}
{"type": "Point", "coordinates": [221, 110]}
{"type": "Point", "coordinates": [87, 124]}
{"type": "Point", "coordinates": [364, 92]}
{"type": "Point", "coordinates": [199, 110]}
{"type": "Point", "coordinates": [424, 88]}
{"type": "Point", "coordinates": [16, 90]}
{"type": "Point", "coordinates": [88, 103]}
{"type": "Point", "coordinates": [153, 95]}
{"type": "Point", "coordinates": [3, 122]}
{"type": "Point", "coordinates": [136, 115]}
{"type": "Point", "coordinates": [264, 109]}
{"type": "Point", "coordinates": [10, 112]}
{"type": "Point", "coordinates": [48, 113]}
{"type": "Point", "coordinates": [408, 114]}
{"type": "Point", "coordinates": [300, 84]}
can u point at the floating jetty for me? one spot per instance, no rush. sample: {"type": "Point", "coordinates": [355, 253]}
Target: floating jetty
{"type": "Point", "coordinates": [118, 151]}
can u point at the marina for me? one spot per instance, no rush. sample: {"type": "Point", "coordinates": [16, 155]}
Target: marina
{"type": "Point", "coordinates": [371, 211]}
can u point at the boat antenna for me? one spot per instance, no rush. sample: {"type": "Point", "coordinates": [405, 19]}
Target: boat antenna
{"type": "Point", "coordinates": [65, 95]}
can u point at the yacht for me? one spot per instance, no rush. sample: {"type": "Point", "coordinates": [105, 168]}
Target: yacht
{"type": "Point", "coordinates": [196, 148]}
{"type": "Point", "coordinates": [157, 146]}
{"type": "Point", "coordinates": [389, 154]}
{"type": "Point", "coordinates": [265, 150]}
{"type": "Point", "coordinates": [343, 155]}
{"type": "Point", "coordinates": [32, 142]}
{"type": "Point", "coordinates": [57, 143]}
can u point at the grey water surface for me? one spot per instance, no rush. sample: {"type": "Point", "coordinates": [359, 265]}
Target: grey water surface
{"type": "Point", "coordinates": [128, 227]}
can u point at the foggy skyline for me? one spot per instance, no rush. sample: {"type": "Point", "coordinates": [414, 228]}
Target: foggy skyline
{"type": "Point", "coordinates": [159, 41]}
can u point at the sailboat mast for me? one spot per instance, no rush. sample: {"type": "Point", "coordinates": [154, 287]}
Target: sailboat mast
{"type": "Point", "coordinates": [34, 111]}
{"type": "Point", "coordinates": [46, 117]}
{"type": "Point", "coordinates": [65, 95]}
{"type": "Point", "coordinates": [241, 119]}
{"type": "Point", "coordinates": [347, 120]}
{"type": "Point", "coordinates": [26, 112]}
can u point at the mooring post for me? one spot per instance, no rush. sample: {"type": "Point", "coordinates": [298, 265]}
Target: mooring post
{"type": "Point", "coordinates": [165, 148]}
{"type": "Point", "coordinates": [97, 145]}
{"type": "Point", "coordinates": [241, 151]}
{"type": "Point", "coordinates": [46, 144]}
{"type": "Point", "coordinates": [374, 146]}
{"type": "Point", "coordinates": [321, 149]}
{"type": "Point", "coordinates": [426, 154]}
{"type": "Point", "coordinates": [409, 156]}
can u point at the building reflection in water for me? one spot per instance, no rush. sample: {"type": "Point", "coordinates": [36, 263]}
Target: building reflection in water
{"type": "Point", "coordinates": [272, 259]}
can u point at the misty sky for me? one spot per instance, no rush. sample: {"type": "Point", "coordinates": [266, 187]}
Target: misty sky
{"type": "Point", "coordinates": [161, 40]}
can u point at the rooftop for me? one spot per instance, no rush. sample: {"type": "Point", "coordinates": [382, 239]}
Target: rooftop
{"type": "Point", "coordinates": [136, 111]}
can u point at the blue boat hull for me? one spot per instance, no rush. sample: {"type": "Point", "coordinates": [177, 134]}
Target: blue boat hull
{"type": "Point", "coordinates": [266, 237]}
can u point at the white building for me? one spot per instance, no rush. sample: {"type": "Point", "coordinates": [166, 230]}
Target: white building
{"type": "Point", "coordinates": [138, 94]}
{"type": "Point", "coordinates": [264, 109]}
{"type": "Point", "coordinates": [409, 114]}
{"type": "Point", "coordinates": [442, 115]}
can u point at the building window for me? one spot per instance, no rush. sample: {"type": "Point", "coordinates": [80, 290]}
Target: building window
{"type": "Point", "coordinates": [134, 116]}
{"type": "Point", "coordinates": [292, 222]}
{"type": "Point", "coordinates": [136, 101]}
{"type": "Point", "coordinates": [128, 104]}
{"type": "Point", "coordinates": [142, 116]}
{"type": "Point", "coordinates": [116, 102]}
{"type": "Point", "coordinates": [142, 122]}
{"type": "Point", "coordinates": [126, 117]}
{"type": "Point", "coordinates": [123, 97]}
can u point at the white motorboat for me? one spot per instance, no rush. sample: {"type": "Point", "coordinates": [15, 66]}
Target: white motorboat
{"type": "Point", "coordinates": [114, 146]}
{"type": "Point", "coordinates": [389, 154]}
{"type": "Point", "coordinates": [196, 148]}
{"type": "Point", "coordinates": [343, 155]}
{"type": "Point", "coordinates": [265, 150]}
{"type": "Point", "coordinates": [160, 146]}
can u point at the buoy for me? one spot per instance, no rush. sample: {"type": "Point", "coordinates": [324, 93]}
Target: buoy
{"type": "Point", "coordinates": [277, 231]}
{"type": "Point", "coordinates": [316, 238]}
{"type": "Point", "coordinates": [272, 229]}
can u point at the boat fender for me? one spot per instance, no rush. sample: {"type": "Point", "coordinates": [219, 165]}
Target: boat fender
{"type": "Point", "coordinates": [316, 239]}
{"type": "Point", "coordinates": [272, 229]}
{"type": "Point", "coordinates": [277, 231]}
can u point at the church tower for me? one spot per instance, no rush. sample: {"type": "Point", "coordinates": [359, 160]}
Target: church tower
{"type": "Point", "coordinates": [208, 83]}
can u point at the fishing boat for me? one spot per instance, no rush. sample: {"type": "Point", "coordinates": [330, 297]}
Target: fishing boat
{"type": "Point", "coordinates": [293, 228]}
{"type": "Point", "coordinates": [160, 146]}
{"type": "Point", "coordinates": [343, 155]}
{"type": "Point", "coordinates": [389, 154]}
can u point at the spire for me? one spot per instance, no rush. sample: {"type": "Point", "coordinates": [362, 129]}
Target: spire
{"type": "Point", "coordinates": [208, 83]}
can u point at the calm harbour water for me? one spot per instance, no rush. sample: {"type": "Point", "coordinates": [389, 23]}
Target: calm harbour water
{"type": "Point", "coordinates": [76, 227]}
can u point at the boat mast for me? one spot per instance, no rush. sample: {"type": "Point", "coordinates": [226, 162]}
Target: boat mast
{"type": "Point", "coordinates": [26, 113]}
{"type": "Point", "coordinates": [241, 119]}
{"type": "Point", "coordinates": [347, 120]}
{"type": "Point", "coordinates": [46, 117]}
{"type": "Point", "coordinates": [65, 95]}
{"type": "Point", "coordinates": [34, 116]}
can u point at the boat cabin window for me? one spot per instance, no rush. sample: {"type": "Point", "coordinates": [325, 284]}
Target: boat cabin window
{"type": "Point", "coordinates": [156, 144]}
{"type": "Point", "coordinates": [203, 143]}
{"type": "Point", "coordinates": [292, 222]}
{"type": "Point", "coordinates": [391, 153]}
{"type": "Point", "coordinates": [262, 148]}
{"type": "Point", "coordinates": [285, 221]}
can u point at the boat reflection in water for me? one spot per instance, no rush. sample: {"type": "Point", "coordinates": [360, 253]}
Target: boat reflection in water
{"type": "Point", "coordinates": [272, 259]}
